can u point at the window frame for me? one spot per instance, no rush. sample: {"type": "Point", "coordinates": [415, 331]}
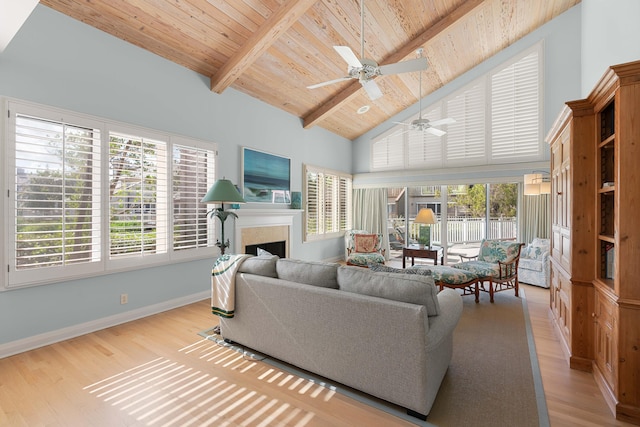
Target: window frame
{"type": "Point", "coordinates": [343, 211]}
{"type": "Point", "coordinates": [13, 279]}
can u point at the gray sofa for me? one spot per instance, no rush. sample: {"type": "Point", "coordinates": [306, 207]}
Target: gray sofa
{"type": "Point", "coordinates": [384, 333]}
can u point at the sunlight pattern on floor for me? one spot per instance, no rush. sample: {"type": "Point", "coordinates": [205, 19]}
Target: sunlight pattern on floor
{"type": "Point", "coordinates": [165, 393]}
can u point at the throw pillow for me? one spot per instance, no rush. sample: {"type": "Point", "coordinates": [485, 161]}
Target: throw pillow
{"type": "Point", "coordinates": [263, 253]}
{"type": "Point", "coordinates": [366, 243]}
{"type": "Point", "coordinates": [413, 289]}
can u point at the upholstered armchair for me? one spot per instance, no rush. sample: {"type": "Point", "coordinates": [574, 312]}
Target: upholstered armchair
{"type": "Point", "coordinates": [363, 248]}
{"type": "Point", "coordinates": [534, 263]}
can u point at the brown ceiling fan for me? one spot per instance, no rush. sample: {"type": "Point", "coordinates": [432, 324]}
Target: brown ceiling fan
{"type": "Point", "coordinates": [364, 69]}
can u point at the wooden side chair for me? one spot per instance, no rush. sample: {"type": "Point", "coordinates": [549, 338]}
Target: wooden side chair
{"type": "Point", "coordinates": [496, 263]}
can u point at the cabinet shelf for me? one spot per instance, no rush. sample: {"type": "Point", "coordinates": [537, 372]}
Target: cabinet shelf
{"type": "Point", "coordinates": [606, 238]}
{"type": "Point", "coordinates": [611, 189]}
{"type": "Point", "coordinates": [608, 140]}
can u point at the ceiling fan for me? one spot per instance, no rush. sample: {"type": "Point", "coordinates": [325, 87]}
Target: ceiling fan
{"type": "Point", "coordinates": [424, 125]}
{"type": "Point", "coordinates": [366, 69]}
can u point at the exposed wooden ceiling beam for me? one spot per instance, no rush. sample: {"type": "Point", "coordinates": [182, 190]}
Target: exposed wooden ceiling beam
{"type": "Point", "coordinates": [278, 23]}
{"type": "Point", "coordinates": [350, 91]}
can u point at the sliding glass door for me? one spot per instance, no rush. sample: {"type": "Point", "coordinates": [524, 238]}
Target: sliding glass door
{"type": "Point", "coordinates": [473, 212]}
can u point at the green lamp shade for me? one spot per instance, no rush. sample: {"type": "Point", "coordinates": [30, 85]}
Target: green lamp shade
{"type": "Point", "coordinates": [223, 191]}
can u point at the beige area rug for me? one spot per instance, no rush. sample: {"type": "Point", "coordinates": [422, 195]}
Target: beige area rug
{"type": "Point", "coordinates": [493, 379]}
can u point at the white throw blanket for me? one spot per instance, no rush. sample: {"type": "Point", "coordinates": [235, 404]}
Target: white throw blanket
{"type": "Point", "coordinates": [223, 281]}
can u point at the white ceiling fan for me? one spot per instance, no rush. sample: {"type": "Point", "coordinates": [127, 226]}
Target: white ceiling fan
{"type": "Point", "coordinates": [366, 69]}
{"type": "Point", "coordinates": [425, 125]}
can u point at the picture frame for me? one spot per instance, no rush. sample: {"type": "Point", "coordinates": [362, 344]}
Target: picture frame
{"type": "Point", "coordinates": [266, 177]}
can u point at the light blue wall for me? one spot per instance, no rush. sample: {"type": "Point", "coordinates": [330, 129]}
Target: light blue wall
{"type": "Point", "coordinates": [57, 61]}
{"type": "Point", "coordinates": [561, 39]}
{"type": "Point", "coordinates": [610, 36]}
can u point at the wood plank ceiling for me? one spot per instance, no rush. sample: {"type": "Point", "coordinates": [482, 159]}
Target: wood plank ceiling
{"type": "Point", "coordinates": [273, 49]}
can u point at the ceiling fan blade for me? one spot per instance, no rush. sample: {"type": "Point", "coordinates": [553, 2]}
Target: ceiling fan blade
{"type": "Point", "coordinates": [347, 54]}
{"type": "Point", "coordinates": [317, 85]}
{"type": "Point", "coordinates": [373, 90]}
{"type": "Point", "coordinates": [434, 131]}
{"type": "Point", "coordinates": [417, 64]}
{"type": "Point", "coordinates": [446, 121]}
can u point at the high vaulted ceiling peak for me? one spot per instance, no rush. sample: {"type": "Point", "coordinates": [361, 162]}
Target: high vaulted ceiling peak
{"type": "Point", "coordinates": [273, 49]}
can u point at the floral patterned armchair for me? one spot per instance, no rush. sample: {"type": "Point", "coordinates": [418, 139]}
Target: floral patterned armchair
{"type": "Point", "coordinates": [363, 248]}
{"type": "Point", "coordinates": [497, 263]}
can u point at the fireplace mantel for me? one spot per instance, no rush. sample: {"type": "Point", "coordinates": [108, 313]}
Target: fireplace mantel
{"type": "Point", "coordinates": [261, 219]}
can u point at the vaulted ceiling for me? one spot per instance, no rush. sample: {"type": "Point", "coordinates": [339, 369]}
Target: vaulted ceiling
{"type": "Point", "coordinates": [273, 49]}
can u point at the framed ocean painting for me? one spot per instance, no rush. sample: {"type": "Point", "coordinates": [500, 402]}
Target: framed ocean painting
{"type": "Point", "coordinates": [266, 178]}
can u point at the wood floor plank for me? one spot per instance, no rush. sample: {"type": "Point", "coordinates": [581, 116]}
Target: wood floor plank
{"type": "Point", "coordinates": [157, 371]}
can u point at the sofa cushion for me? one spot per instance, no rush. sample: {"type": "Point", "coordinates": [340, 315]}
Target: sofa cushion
{"type": "Point", "coordinates": [322, 274]}
{"type": "Point", "coordinates": [411, 288]}
{"type": "Point", "coordinates": [449, 275]}
{"type": "Point", "coordinates": [480, 268]}
{"type": "Point", "coordinates": [387, 269]}
{"type": "Point", "coordinates": [530, 264]}
{"type": "Point", "coordinates": [534, 252]}
{"type": "Point", "coordinates": [498, 250]}
{"type": "Point", "coordinates": [264, 265]}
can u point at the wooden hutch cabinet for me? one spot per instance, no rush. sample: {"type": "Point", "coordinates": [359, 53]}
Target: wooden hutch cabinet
{"type": "Point", "coordinates": [595, 245]}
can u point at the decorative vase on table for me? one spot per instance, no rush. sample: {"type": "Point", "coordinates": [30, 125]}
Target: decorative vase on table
{"type": "Point", "coordinates": [296, 200]}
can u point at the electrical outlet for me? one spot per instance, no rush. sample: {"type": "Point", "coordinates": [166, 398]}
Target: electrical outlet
{"type": "Point", "coordinates": [124, 298]}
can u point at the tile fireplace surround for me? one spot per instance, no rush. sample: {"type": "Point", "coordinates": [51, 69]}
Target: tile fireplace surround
{"type": "Point", "coordinates": [255, 226]}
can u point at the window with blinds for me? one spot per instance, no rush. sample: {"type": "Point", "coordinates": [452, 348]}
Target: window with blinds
{"type": "Point", "coordinates": [498, 120]}
{"type": "Point", "coordinates": [56, 201]}
{"type": "Point", "coordinates": [387, 152]}
{"type": "Point", "coordinates": [425, 149]}
{"type": "Point", "coordinates": [327, 201]}
{"type": "Point", "coordinates": [465, 139]}
{"type": "Point", "coordinates": [137, 195]}
{"type": "Point", "coordinates": [515, 109]}
{"type": "Point", "coordinates": [89, 196]}
{"type": "Point", "coordinates": [193, 172]}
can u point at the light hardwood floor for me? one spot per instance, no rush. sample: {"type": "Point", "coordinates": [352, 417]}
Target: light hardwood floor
{"type": "Point", "coordinates": [156, 371]}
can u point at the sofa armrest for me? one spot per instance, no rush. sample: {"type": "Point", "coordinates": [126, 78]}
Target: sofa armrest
{"type": "Point", "coordinates": [442, 325]}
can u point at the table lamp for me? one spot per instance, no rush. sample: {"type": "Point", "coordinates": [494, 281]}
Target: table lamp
{"type": "Point", "coordinates": [223, 191]}
{"type": "Point", "coordinates": [425, 216]}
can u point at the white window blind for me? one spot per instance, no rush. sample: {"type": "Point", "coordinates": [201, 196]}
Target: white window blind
{"type": "Point", "coordinates": [327, 201]}
{"type": "Point", "coordinates": [515, 109]}
{"type": "Point", "coordinates": [466, 137]}
{"type": "Point", "coordinates": [388, 152]}
{"type": "Point", "coordinates": [56, 200]}
{"type": "Point", "coordinates": [498, 120]}
{"type": "Point", "coordinates": [137, 195]}
{"type": "Point", "coordinates": [193, 172]}
{"type": "Point", "coordinates": [424, 148]}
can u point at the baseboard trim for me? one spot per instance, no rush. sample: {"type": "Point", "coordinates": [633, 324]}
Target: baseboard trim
{"type": "Point", "coordinates": [47, 338]}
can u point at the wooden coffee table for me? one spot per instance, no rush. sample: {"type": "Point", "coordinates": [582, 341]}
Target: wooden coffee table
{"type": "Point", "coordinates": [415, 251]}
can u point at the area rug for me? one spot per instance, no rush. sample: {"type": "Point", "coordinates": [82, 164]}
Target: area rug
{"type": "Point", "coordinates": [493, 379]}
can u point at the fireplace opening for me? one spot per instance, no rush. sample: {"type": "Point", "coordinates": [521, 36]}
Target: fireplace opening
{"type": "Point", "coordinates": [275, 248]}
